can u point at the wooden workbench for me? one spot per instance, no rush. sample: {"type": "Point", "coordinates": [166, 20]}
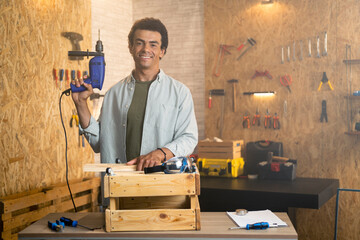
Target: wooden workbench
{"type": "Point", "coordinates": [213, 225]}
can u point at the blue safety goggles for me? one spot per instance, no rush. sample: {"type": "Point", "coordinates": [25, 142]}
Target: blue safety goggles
{"type": "Point", "coordinates": [173, 165]}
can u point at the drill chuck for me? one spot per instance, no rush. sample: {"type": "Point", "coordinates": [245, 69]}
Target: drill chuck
{"type": "Point", "coordinates": [99, 46]}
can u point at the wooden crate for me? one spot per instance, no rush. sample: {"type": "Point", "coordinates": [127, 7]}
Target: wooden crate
{"type": "Point", "coordinates": [221, 150]}
{"type": "Point", "coordinates": [152, 202]}
{"type": "Point", "coordinates": [20, 210]}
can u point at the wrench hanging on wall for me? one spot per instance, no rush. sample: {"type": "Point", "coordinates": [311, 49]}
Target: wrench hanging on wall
{"type": "Point", "coordinates": [325, 44]}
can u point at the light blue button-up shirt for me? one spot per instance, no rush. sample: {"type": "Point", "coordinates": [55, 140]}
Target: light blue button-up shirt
{"type": "Point", "coordinates": [169, 120]}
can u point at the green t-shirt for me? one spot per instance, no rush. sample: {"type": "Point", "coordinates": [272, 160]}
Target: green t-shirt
{"type": "Point", "coordinates": [135, 120]}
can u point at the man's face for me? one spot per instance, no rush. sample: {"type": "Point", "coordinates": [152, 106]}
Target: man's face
{"type": "Point", "coordinates": [146, 49]}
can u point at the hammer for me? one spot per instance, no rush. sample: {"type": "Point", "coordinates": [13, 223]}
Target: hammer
{"type": "Point", "coordinates": [233, 81]}
{"type": "Point", "coordinates": [270, 158]}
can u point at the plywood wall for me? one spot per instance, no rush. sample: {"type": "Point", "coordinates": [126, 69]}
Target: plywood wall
{"type": "Point", "coordinates": [32, 149]}
{"type": "Point", "coordinates": [322, 149]}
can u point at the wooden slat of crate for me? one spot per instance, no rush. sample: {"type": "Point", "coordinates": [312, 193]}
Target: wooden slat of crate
{"type": "Point", "coordinates": [151, 185]}
{"type": "Point", "coordinates": [220, 150]}
{"type": "Point", "coordinates": [11, 204]}
{"type": "Point", "coordinates": [170, 202]}
{"type": "Point", "coordinates": [227, 143]}
{"type": "Point", "coordinates": [151, 220]}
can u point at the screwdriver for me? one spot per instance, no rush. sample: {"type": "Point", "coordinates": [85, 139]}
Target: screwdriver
{"type": "Point", "coordinates": [57, 227]}
{"type": "Point", "coordinates": [73, 223]}
{"type": "Point", "coordinates": [78, 74]}
{"type": "Point", "coordinates": [259, 225]}
{"type": "Point", "coordinates": [72, 74]}
{"type": "Point", "coordinates": [61, 73]}
{"type": "Point", "coordinates": [67, 76]}
{"type": "Point", "coordinates": [55, 76]}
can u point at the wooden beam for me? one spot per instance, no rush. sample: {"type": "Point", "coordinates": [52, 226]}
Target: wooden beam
{"type": "Point", "coordinates": [101, 167]}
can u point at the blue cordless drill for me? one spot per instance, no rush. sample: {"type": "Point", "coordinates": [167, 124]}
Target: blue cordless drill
{"type": "Point", "coordinates": [96, 67]}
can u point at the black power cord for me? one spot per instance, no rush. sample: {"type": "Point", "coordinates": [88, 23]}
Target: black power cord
{"type": "Point", "coordinates": [67, 93]}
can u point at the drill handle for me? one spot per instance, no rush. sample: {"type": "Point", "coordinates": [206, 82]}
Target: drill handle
{"type": "Point", "coordinates": [84, 53]}
{"type": "Point", "coordinates": [81, 88]}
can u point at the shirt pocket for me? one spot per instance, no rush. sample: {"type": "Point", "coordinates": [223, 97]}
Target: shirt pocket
{"type": "Point", "coordinates": [163, 117]}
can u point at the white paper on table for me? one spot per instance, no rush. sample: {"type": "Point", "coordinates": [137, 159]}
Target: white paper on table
{"type": "Point", "coordinates": [257, 216]}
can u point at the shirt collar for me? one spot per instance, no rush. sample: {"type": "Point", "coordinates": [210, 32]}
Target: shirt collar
{"type": "Point", "coordinates": [158, 77]}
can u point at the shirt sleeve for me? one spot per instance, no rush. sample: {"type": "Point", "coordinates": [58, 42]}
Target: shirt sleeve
{"type": "Point", "coordinates": [92, 134]}
{"type": "Point", "coordinates": [186, 131]}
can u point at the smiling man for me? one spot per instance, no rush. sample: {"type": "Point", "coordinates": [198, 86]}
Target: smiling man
{"type": "Point", "coordinates": [146, 118]}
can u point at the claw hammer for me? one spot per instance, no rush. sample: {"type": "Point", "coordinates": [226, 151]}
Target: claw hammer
{"type": "Point", "coordinates": [233, 82]}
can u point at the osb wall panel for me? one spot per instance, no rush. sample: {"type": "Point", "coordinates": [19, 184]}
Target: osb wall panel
{"type": "Point", "coordinates": [322, 149]}
{"type": "Point", "coordinates": [32, 149]}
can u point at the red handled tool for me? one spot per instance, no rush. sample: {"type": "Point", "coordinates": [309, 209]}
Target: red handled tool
{"type": "Point", "coordinates": [210, 99]}
{"type": "Point", "coordinates": [276, 122]}
{"type": "Point", "coordinates": [78, 74]}
{"type": "Point", "coordinates": [223, 49]}
{"type": "Point", "coordinates": [286, 81]}
{"type": "Point", "coordinates": [246, 121]}
{"type": "Point", "coordinates": [55, 75]}
{"type": "Point", "coordinates": [250, 41]}
{"type": "Point", "coordinates": [67, 76]}
{"type": "Point", "coordinates": [256, 118]}
{"type": "Point", "coordinates": [261, 74]}
{"type": "Point", "coordinates": [267, 122]}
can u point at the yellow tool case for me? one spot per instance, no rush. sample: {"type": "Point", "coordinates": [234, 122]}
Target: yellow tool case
{"type": "Point", "coordinates": [221, 167]}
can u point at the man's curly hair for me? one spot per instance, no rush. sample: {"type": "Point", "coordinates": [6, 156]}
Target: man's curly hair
{"type": "Point", "coordinates": [151, 24]}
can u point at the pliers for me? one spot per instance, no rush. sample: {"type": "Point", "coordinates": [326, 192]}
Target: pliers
{"type": "Point", "coordinates": [276, 122]}
{"type": "Point", "coordinates": [256, 118]}
{"type": "Point", "coordinates": [325, 80]}
{"type": "Point", "coordinates": [246, 121]}
{"type": "Point", "coordinates": [267, 122]}
{"type": "Point", "coordinates": [75, 118]}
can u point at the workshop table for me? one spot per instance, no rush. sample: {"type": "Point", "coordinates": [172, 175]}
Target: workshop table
{"type": "Point", "coordinates": [213, 225]}
{"type": "Point", "coordinates": [227, 194]}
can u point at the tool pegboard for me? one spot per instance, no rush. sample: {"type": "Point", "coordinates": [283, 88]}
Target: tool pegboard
{"type": "Point", "coordinates": [285, 32]}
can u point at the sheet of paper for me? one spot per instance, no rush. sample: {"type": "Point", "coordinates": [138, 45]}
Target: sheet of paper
{"type": "Point", "coordinates": [257, 216]}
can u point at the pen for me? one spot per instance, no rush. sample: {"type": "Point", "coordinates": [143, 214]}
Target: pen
{"type": "Point", "coordinates": [259, 225]}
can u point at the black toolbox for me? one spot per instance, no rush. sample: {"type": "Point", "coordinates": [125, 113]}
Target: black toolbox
{"type": "Point", "coordinates": [256, 152]}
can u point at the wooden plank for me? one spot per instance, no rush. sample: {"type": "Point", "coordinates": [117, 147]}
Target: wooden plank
{"type": "Point", "coordinates": [160, 202]}
{"type": "Point", "coordinates": [198, 215]}
{"type": "Point", "coordinates": [52, 194]}
{"type": "Point", "coordinates": [234, 143]}
{"type": "Point", "coordinates": [108, 220]}
{"type": "Point", "coordinates": [219, 149]}
{"type": "Point", "coordinates": [153, 220]}
{"type": "Point", "coordinates": [194, 202]}
{"type": "Point", "coordinates": [152, 185]}
{"type": "Point", "coordinates": [112, 205]}
{"type": "Point", "coordinates": [106, 186]}
{"type": "Point", "coordinates": [101, 167]}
